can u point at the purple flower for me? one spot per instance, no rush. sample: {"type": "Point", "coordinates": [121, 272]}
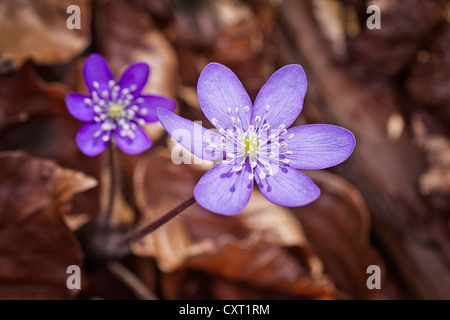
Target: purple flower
{"type": "Point", "coordinates": [114, 111]}
{"type": "Point", "coordinates": [253, 142]}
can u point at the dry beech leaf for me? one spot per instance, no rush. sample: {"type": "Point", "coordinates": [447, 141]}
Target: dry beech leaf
{"type": "Point", "coordinates": [158, 188]}
{"type": "Point", "coordinates": [252, 247]}
{"type": "Point", "coordinates": [127, 35]}
{"type": "Point", "coordinates": [234, 33]}
{"type": "Point", "coordinates": [37, 30]}
{"type": "Point", "coordinates": [35, 119]}
{"type": "Point", "coordinates": [338, 225]}
{"type": "Point", "coordinates": [36, 246]}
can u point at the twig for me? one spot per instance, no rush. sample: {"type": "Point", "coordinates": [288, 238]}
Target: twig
{"type": "Point", "coordinates": [140, 290]}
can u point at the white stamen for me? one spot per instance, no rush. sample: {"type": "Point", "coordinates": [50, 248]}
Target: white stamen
{"type": "Point", "coordinates": [237, 110]}
{"type": "Point", "coordinates": [105, 94]}
{"type": "Point", "coordinates": [143, 111]}
{"type": "Point", "coordinates": [257, 119]}
{"type": "Point", "coordinates": [262, 175]}
{"type": "Point", "coordinates": [229, 110]}
{"type": "Point", "coordinates": [97, 109]}
{"type": "Point", "coordinates": [111, 83]}
{"type": "Point", "coordinates": [96, 85]}
{"type": "Point", "coordinates": [133, 87]}
{"type": "Point", "coordinates": [246, 108]}
{"type": "Point", "coordinates": [251, 176]}
{"type": "Point", "coordinates": [288, 153]}
{"type": "Point", "coordinates": [267, 108]}
{"type": "Point", "coordinates": [214, 121]}
{"type": "Point", "coordinates": [286, 161]}
{"type": "Point", "coordinates": [88, 101]}
{"type": "Point", "coordinates": [237, 168]}
{"type": "Point", "coordinates": [105, 138]}
{"type": "Point", "coordinates": [290, 136]}
{"type": "Point", "coordinates": [266, 126]}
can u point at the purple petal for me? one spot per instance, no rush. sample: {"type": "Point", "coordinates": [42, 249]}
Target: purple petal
{"type": "Point", "coordinates": [96, 69]}
{"type": "Point", "coordinates": [150, 103]}
{"type": "Point", "coordinates": [139, 143]}
{"type": "Point", "coordinates": [219, 89]}
{"type": "Point", "coordinates": [78, 108]}
{"type": "Point", "coordinates": [283, 93]}
{"type": "Point", "coordinates": [319, 146]}
{"type": "Point", "coordinates": [88, 144]}
{"type": "Point", "coordinates": [190, 135]}
{"type": "Point", "coordinates": [288, 187]}
{"type": "Point", "coordinates": [223, 191]}
{"type": "Point", "coordinates": [134, 78]}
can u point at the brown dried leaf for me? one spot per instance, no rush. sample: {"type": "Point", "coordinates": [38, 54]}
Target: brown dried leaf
{"type": "Point", "coordinates": [37, 30]}
{"type": "Point", "coordinates": [338, 226]}
{"type": "Point", "coordinates": [234, 33]}
{"type": "Point", "coordinates": [253, 248]}
{"type": "Point", "coordinates": [36, 246]}
{"type": "Point", "coordinates": [158, 188]}
{"type": "Point", "coordinates": [34, 118]}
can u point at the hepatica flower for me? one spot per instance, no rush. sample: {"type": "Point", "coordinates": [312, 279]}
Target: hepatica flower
{"type": "Point", "coordinates": [253, 143]}
{"type": "Point", "coordinates": [114, 110]}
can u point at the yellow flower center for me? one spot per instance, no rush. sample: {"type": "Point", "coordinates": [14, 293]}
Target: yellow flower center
{"type": "Point", "coordinates": [250, 144]}
{"type": "Point", "coordinates": [115, 110]}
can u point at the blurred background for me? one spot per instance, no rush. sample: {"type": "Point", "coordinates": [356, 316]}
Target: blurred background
{"type": "Point", "coordinates": [388, 205]}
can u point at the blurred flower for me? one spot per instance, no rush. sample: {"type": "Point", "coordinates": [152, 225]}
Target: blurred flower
{"type": "Point", "coordinates": [114, 111]}
{"type": "Point", "coordinates": [253, 140]}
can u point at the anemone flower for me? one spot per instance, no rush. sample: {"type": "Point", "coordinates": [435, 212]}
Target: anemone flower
{"type": "Point", "coordinates": [114, 111]}
{"type": "Point", "coordinates": [253, 142]}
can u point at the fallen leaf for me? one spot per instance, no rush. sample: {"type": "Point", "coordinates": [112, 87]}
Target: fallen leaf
{"type": "Point", "coordinates": [38, 31]}
{"type": "Point", "coordinates": [36, 246]}
{"type": "Point", "coordinates": [35, 119]}
{"type": "Point", "coordinates": [338, 227]}
{"type": "Point", "coordinates": [158, 188]}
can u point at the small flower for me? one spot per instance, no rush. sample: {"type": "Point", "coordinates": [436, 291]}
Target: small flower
{"type": "Point", "coordinates": [254, 141]}
{"type": "Point", "coordinates": [114, 111]}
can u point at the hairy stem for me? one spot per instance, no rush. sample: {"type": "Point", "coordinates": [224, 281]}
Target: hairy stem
{"type": "Point", "coordinates": [114, 179]}
{"type": "Point", "coordinates": [139, 234]}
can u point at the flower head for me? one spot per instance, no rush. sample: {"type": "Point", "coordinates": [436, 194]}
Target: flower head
{"type": "Point", "coordinates": [253, 142]}
{"type": "Point", "coordinates": [114, 111]}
